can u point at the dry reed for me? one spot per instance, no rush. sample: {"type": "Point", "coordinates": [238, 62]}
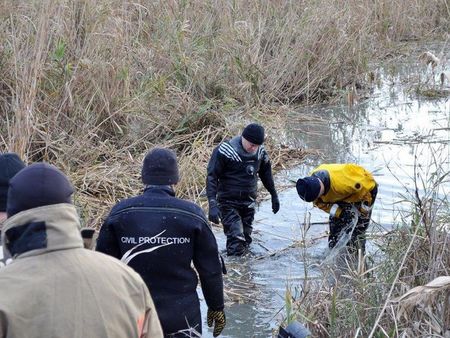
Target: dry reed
{"type": "Point", "coordinates": [92, 85]}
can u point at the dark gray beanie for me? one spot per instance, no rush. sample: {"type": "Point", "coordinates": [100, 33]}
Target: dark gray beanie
{"type": "Point", "coordinates": [38, 185]}
{"type": "Point", "coordinates": [254, 133]}
{"type": "Point", "coordinates": [10, 165]}
{"type": "Point", "coordinates": [160, 167]}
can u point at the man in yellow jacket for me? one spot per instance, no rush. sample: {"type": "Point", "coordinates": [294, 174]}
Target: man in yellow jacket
{"type": "Point", "coordinates": [347, 192]}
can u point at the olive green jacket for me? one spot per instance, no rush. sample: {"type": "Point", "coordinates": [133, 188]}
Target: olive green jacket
{"type": "Point", "coordinates": [56, 288]}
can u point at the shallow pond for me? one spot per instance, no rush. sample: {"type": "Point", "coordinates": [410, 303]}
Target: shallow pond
{"type": "Point", "coordinates": [395, 134]}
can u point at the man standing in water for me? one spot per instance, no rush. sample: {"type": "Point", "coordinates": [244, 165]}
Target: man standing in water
{"type": "Point", "coordinates": [231, 185]}
{"type": "Point", "coordinates": [10, 164]}
{"type": "Point", "coordinates": [347, 192]}
{"type": "Point", "coordinates": [163, 237]}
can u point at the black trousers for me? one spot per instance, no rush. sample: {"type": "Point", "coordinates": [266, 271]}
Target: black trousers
{"type": "Point", "coordinates": [195, 323]}
{"type": "Point", "coordinates": [358, 238]}
{"type": "Point", "coordinates": [179, 316]}
{"type": "Point", "coordinates": [237, 226]}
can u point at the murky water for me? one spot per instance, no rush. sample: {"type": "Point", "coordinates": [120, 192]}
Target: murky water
{"type": "Point", "coordinates": [394, 134]}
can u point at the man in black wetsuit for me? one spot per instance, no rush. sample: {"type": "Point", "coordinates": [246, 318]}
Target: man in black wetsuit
{"type": "Point", "coordinates": [232, 184]}
{"type": "Point", "coordinates": [160, 236]}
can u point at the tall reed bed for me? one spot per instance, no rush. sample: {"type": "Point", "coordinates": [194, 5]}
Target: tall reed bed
{"type": "Point", "coordinates": [91, 84]}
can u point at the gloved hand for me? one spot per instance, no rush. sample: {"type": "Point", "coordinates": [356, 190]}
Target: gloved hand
{"type": "Point", "coordinates": [218, 319]}
{"type": "Point", "coordinates": [213, 213]}
{"type": "Point", "coordinates": [275, 203]}
{"type": "Point", "coordinates": [349, 215]}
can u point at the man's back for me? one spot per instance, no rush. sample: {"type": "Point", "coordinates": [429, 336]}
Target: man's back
{"type": "Point", "coordinates": [346, 183]}
{"type": "Point", "coordinates": [76, 293]}
{"type": "Point", "coordinates": [158, 221]}
{"type": "Point", "coordinates": [159, 236]}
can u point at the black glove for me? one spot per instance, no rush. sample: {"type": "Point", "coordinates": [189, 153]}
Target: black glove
{"type": "Point", "coordinates": [275, 203]}
{"type": "Point", "coordinates": [348, 216]}
{"type": "Point", "coordinates": [213, 214]}
{"type": "Point", "coordinates": [218, 319]}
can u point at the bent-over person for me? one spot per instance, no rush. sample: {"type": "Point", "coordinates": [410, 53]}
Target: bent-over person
{"type": "Point", "coordinates": [347, 192]}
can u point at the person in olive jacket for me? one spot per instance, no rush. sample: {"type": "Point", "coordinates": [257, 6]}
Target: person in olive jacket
{"type": "Point", "coordinates": [54, 287]}
{"type": "Point", "coordinates": [347, 192]}
{"type": "Point", "coordinates": [232, 184]}
{"type": "Point", "coordinates": [160, 235]}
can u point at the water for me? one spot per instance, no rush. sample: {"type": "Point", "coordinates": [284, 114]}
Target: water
{"type": "Point", "coordinates": [394, 134]}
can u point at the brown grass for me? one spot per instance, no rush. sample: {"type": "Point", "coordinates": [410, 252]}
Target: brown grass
{"type": "Point", "coordinates": [92, 85]}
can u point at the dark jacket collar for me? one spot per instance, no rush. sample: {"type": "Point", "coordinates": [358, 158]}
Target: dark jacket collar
{"type": "Point", "coordinates": [159, 189]}
{"type": "Point", "coordinates": [39, 230]}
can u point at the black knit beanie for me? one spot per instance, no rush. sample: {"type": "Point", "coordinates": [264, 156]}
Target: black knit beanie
{"type": "Point", "coordinates": [254, 133]}
{"type": "Point", "coordinates": [38, 185]}
{"type": "Point", "coordinates": [10, 164]}
{"type": "Point", "coordinates": [308, 188]}
{"type": "Point", "coordinates": [160, 167]}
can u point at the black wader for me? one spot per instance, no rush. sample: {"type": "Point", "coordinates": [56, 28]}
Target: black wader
{"type": "Point", "coordinates": [237, 225]}
{"type": "Point", "coordinates": [233, 181]}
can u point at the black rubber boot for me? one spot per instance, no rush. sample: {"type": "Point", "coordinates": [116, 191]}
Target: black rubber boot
{"type": "Point", "coordinates": [358, 240]}
{"type": "Point", "coordinates": [336, 226]}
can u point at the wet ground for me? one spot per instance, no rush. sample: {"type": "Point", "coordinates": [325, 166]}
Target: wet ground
{"type": "Point", "coordinates": [395, 133]}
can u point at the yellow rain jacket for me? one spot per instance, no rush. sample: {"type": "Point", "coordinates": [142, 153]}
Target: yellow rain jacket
{"type": "Point", "coordinates": [348, 183]}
